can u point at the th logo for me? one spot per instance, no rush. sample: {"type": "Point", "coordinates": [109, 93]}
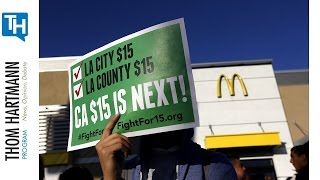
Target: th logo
{"type": "Point", "coordinates": [15, 24]}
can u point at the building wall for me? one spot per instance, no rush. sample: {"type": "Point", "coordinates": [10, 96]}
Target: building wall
{"type": "Point", "coordinates": [295, 99]}
{"type": "Point", "coordinates": [53, 88]}
{"type": "Point", "coordinates": [260, 111]}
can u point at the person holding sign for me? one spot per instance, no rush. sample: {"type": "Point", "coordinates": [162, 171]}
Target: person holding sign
{"type": "Point", "coordinates": [169, 155]}
{"type": "Point", "coordinates": [146, 77]}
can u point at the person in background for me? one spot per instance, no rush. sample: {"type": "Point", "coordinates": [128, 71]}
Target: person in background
{"type": "Point", "coordinates": [300, 161]}
{"type": "Point", "coordinates": [76, 173]}
{"type": "Point", "coordinates": [239, 167]}
{"type": "Point", "coordinates": [163, 156]}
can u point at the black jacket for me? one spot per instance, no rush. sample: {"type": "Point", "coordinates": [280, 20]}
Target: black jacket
{"type": "Point", "coordinates": [303, 174]}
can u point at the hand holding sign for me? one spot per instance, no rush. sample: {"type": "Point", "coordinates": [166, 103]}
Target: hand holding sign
{"type": "Point", "coordinates": [110, 149]}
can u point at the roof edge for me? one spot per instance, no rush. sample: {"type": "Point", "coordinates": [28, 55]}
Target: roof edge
{"type": "Point", "coordinates": [231, 63]}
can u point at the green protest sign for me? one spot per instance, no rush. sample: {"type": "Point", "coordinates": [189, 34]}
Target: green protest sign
{"type": "Point", "coordinates": [146, 77]}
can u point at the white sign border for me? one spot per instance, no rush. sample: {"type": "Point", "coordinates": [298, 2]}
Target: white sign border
{"type": "Point", "coordinates": [194, 124]}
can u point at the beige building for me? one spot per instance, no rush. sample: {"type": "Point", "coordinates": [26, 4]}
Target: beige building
{"type": "Point", "coordinates": [294, 90]}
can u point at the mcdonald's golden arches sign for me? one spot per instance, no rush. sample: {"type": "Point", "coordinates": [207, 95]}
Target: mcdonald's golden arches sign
{"type": "Point", "coordinates": [230, 84]}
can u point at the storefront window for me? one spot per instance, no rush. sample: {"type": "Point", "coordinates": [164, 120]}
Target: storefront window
{"type": "Point", "coordinates": [260, 169]}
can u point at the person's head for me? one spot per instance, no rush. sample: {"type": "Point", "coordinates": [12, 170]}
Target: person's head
{"type": "Point", "coordinates": [300, 156]}
{"type": "Point", "coordinates": [239, 167]}
{"type": "Point", "coordinates": [167, 139]}
{"type": "Point", "coordinates": [79, 173]}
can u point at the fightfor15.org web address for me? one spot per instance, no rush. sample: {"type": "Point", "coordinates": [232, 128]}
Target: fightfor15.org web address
{"type": "Point", "coordinates": [160, 118]}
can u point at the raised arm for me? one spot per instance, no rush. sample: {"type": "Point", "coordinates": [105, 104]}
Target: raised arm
{"type": "Point", "coordinates": [111, 149]}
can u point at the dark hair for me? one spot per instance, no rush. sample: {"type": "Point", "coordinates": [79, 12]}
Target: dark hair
{"type": "Point", "coordinates": [302, 149]}
{"type": "Point", "coordinates": [77, 172]}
